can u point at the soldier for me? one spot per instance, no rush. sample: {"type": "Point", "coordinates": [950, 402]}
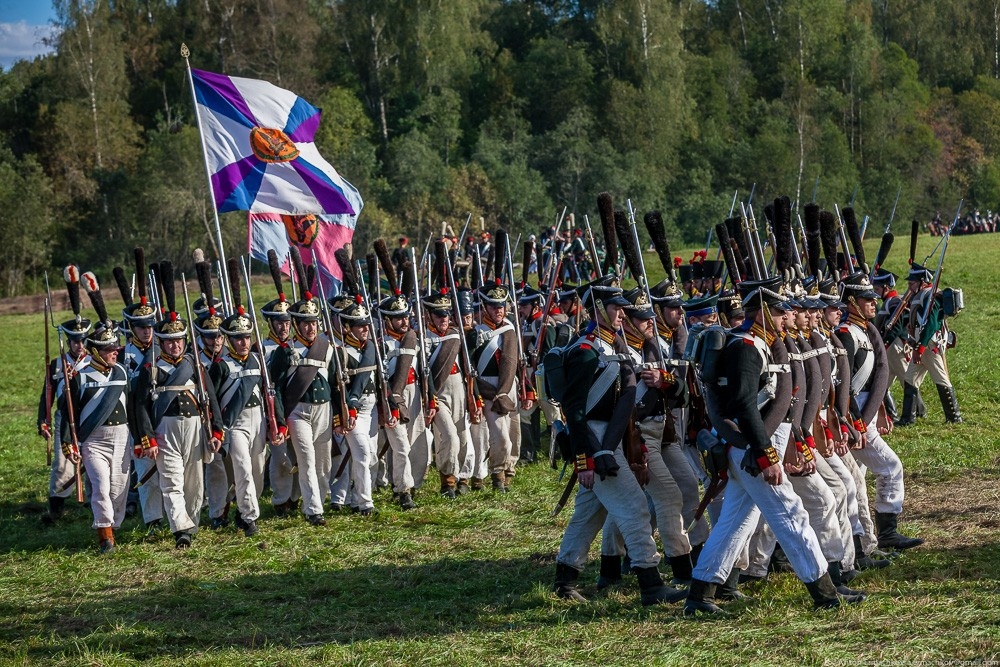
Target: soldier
{"type": "Point", "coordinates": [281, 465]}
{"type": "Point", "coordinates": [529, 306]}
{"type": "Point", "coordinates": [98, 393]}
{"type": "Point", "coordinates": [599, 396]}
{"type": "Point", "coordinates": [74, 358]}
{"type": "Point", "coordinates": [928, 335]}
{"type": "Point", "coordinates": [167, 418]}
{"type": "Point", "coordinates": [206, 310]}
{"type": "Point", "coordinates": [747, 377]}
{"type": "Point", "coordinates": [884, 284]}
{"type": "Point", "coordinates": [868, 384]}
{"type": "Point", "coordinates": [476, 466]}
{"type": "Point", "coordinates": [139, 351]}
{"type": "Point", "coordinates": [448, 400]}
{"type": "Point", "coordinates": [493, 348]}
{"type": "Point", "coordinates": [359, 362]}
{"type": "Point", "coordinates": [300, 372]}
{"type": "Point", "coordinates": [407, 423]}
{"type": "Point", "coordinates": [238, 382]}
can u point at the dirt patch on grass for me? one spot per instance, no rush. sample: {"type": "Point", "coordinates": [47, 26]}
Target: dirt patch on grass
{"type": "Point", "coordinates": [961, 511]}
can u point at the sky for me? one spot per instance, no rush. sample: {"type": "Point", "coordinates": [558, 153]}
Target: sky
{"type": "Point", "coordinates": [23, 25]}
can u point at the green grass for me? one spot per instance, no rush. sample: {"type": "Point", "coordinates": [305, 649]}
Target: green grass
{"type": "Point", "coordinates": [467, 582]}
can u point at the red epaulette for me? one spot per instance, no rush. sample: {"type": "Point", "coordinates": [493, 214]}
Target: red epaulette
{"type": "Point", "coordinates": [748, 341]}
{"type": "Point", "coordinates": [585, 346]}
{"type": "Point", "coordinates": [844, 330]}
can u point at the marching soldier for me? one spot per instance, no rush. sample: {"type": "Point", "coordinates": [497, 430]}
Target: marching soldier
{"type": "Point", "coordinates": [494, 354]}
{"type": "Point", "coordinates": [868, 384]}
{"type": "Point", "coordinates": [749, 380]}
{"type": "Point", "coordinates": [361, 430]}
{"type": "Point", "coordinates": [74, 358]}
{"type": "Point", "coordinates": [238, 382]}
{"type": "Point", "coordinates": [598, 400]}
{"type": "Point", "coordinates": [928, 331]}
{"type": "Point", "coordinates": [99, 395]}
{"type": "Point", "coordinates": [476, 466]}
{"type": "Point", "coordinates": [167, 419]}
{"type": "Point", "coordinates": [281, 468]}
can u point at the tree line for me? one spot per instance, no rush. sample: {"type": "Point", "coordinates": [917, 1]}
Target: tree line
{"type": "Point", "coordinates": [508, 109]}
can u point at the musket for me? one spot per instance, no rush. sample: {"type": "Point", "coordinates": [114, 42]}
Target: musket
{"type": "Point", "coordinates": [940, 266]}
{"type": "Point", "coordinates": [842, 234]}
{"type": "Point", "coordinates": [593, 248]}
{"type": "Point", "coordinates": [265, 374]}
{"type": "Point", "coordinates": [472, 399]}
{"type": "Point", "coordinates": [755, 265]}
{"type": "Point", "coordinates": [154, 292]}
{"type": "Point", "coordinates": [708, 241]}
{"type": "Point", "coordinates": [461, 239]}
{"type": "Point", "coordinates": [522, 362]}
{"type": "Point", "coordinates": [815, 189]}
{"type": "Point", "coordinates": [338, 366]}
{"type": "Point", "coordinates": [892, 215]}
{"type": "Point", "coordinates": [854, 195]}
{"type": "Point", "coordinates": [540, 337]}
{"type": "Point", "coordinates": [864, 226]}
{"type": "Point", "coordinates": [48, 320]}
{"type": "Point", "coordinates": [732, 207]}
{"type": "Point", "coordinates": [644, 284]}
{"type": "Point", "coordinates": [71, 417]}
{"type": "Point", "coordinates": [381, 381]}
{"type": "Point", "coordinates": [753, 189]}
{"type": "Point", "coordinates": [424, 375]}
{"type": "Point", "coordinates": [204, 407]}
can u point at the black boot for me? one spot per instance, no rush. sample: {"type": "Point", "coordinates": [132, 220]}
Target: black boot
{"type": "Point", "coordinates": [57, 507]}
{"type": "Point", "coordinates": [909, 412]}
{"type": "Point", "coordinates": [864, 561]}
{"type": "Point", "coordinates": [890, 407]}
{"type": "Point", "coordinates": [825, 595]}
{"type": "Point", "coordinates": [779, 561]}
{"type": "Point", "coordinates": [836, 576]}
{"type": "Point", "coordinates": [888, 537]}
{"type": "Point", "coordinates": [611, 572]}
{"type": "Point", "coordinates": [681, 567]}
{"type": "Point", "coordinates": [699, 599]}
{"type": "Point", "coordinates": [949, 402]}
{"type": "Point", "coordinates": [695, 553]}
{"type": "Point", "coordinates": [728, 590]}
{"type": "Point", "coordinates": [652, 589]}
{"type": "Point", "coordinates": [921, 406]}
{"type": "Point", "coordinates": [565, 586]}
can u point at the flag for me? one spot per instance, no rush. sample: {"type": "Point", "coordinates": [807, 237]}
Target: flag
{"type": "Point", "coordinates": [322, 234]}
{"type": "Point", "coordinates": [258, 141]}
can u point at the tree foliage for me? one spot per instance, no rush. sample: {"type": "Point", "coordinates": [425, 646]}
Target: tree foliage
{"type": "Point", "coordinates": [505, 109]}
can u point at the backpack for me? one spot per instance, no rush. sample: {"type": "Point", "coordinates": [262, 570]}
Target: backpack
{"type": "Point", "coordinates": [555, 372]}
{"type": "Point", "coordinates": [704, 349]}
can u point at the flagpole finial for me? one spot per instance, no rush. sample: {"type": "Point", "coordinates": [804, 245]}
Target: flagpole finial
{"type": "Point", "coordinates": [185, 52]}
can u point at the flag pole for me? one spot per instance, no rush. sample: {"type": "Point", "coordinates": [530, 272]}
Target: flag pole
{"type": "Point", "coordinates": [227, 297]}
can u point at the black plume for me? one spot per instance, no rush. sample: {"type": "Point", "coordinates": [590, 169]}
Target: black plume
{"type": "Point", "coordinates": [828, 236]}
{"type": "Point", "coordinates": [165, 279]}
{"type": "Point", "coordinates": [741, 264]}
{"type": "Point", "coordinates": [500, 253]}
{"type": "Point", "coordinates": [814, 247]}
{"type": "Point", "coordinates": [606, 208]}
{"type": "Point", "coordinates": [914, 231]}
{"type": "Point", "coordinates": [490, 257]}
{"type": "Point", "coordinates": [883, 250]}
{"type": "Point", "coordinates": [475, 270]}
{"type": "Point", "coordinates": [854, 233]}
{"type": "Point", "coordinates": [234, 271]}
{"type": "Point", "coordinates": [300, 272]}
{"type": "Point", "coordinates": [204, 271]}
{"type": "Point", "coordinates": [310, 275]}
{"type": "Point", "coordinates": [784, 257]}
{"type": "Point", "coordinates": [725, 244]}
{"type": "Point", "coordinates": [275, 268]}
{"type": "Point", "coordinates": [629, 249]}
{"type": "Point", "coordinates": [437, 272]}
{"type": "Point", "coordinates": [382, 252]}
{"type": "Point", "coordinates": [89, 281]}
{"type": "Point", "coordinates": [140, 274]}
{"type": "Point", "coordinates": [346, 264]}
{"type": "Point", "coordinates": [372, 265]}
{"type": "Point", "coordinates": [658, 235]}
{"type": "Point", "coordinates": [769, 213]}
{"type": "Point", "coordinates": [119, 274]}
{"type": "Point", "coordinates": [406, 287]}
{"type": "Point", "coordinates": [735, 227]}
{"type": "Point", "coordinates": [529, 248]}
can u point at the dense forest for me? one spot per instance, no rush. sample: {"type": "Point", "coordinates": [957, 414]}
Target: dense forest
{"type": "Point", "coordinates": [508, 109]}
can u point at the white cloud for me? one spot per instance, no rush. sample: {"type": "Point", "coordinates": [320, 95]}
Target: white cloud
{"type": "Point", "coordinates": [22, 40]}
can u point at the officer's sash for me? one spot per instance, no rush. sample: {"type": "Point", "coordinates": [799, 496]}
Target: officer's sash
{"type": "Point", "coordinates": [306, 369]}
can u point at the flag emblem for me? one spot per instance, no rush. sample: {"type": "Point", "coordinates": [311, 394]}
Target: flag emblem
{"type": "Point", "coordinates": [271, 145]}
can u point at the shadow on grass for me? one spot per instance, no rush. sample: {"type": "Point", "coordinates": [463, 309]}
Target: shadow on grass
{"type": "Point", "coordinates": [296, 608]}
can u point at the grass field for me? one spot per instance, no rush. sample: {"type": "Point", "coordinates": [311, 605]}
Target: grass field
{"type": "Point", "coordinates": [467, 582]}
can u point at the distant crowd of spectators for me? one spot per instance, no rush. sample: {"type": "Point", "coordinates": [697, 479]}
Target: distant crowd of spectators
{"type": "Point", "coordinates": [972, 223]}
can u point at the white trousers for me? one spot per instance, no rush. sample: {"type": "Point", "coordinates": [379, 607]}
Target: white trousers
{"type": "Point", "coordinates": [247, 440]}
{"type": "Point", "coordinates": [181, 471]}
{"type": "Point", "coordinates": [362, 441]}
{"type": "Point", "coordinates": [450, 443]}
{"type": "Point", "coordinates": [311, 432]}
{"type": "Point", "coordinates": [879, 457]}
{"type": "Point", "coordinates": [404, 438]}
{"type": "Point", "coordinates": [107, 462]}
{"type": "Point", "coordinates": [499, 427]}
